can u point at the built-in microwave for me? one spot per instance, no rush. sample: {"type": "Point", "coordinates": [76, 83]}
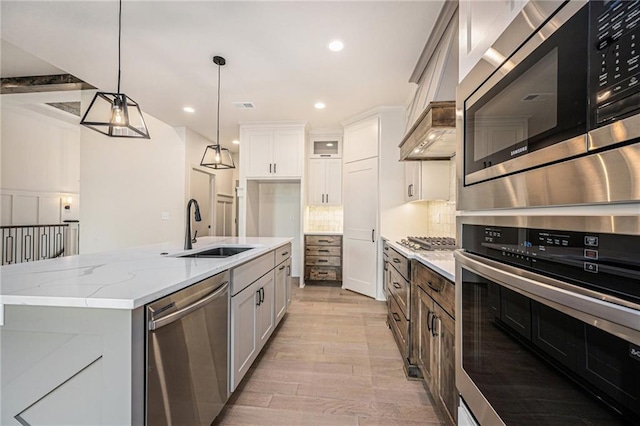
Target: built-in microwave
{"type": "Point", "coordinates": [559, 111]}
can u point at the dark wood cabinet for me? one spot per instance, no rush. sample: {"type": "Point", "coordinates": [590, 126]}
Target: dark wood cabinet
{"type": "Point", "coordinates": [433, 334]}
{"type": "Point", "coordinates": [323, 258]}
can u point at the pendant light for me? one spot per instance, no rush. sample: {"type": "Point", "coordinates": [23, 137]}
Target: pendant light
{"type": "Point", "coordinates": [115, 114]}
{"type": "Point", "coordinates": [215, 156]}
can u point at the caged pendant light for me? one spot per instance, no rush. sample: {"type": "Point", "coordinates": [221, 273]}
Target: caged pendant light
{"type": "Point", "coordinates": [215, 156]}
{"type": "Point", "coordinates": [115, 114]}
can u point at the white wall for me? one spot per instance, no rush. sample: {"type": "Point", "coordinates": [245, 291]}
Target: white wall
{"type": "Point", "coordinates": [126, 186]}
{"type": "Point", "coordinates": [39, 153]}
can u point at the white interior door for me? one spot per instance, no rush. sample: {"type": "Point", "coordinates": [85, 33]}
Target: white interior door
{"type": "Point", "coordinates": [201, 188]}
{"type": "Point", "coordinates": [360, 226]}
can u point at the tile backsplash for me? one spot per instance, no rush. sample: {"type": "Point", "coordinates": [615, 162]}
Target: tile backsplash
{"type": "Point", "coordinates": [441, 218]}
{"type": "Point", "coordinates": [323, 219]}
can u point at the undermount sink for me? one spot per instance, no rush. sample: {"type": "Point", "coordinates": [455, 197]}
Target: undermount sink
{"type": "Point", "coordinates": [218, 252]}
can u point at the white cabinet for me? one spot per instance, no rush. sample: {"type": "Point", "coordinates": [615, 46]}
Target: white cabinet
{"type": "Point", "coordinates": [282, 291]}
{"type": "Point", "coordinates": [325, 182]}
{"type": "Point", "coordinates": [244, 335]}
{"type": "Point", "coordinates": [272, 151]}
{"type": "Point", "coordinates": [325, 145]}
{"type": "Point", "coordinates": [427, 180]}
{"type": "Point", "coordinates": [361, 139]}
{"type": "Point", "coordinates": [265, 316]}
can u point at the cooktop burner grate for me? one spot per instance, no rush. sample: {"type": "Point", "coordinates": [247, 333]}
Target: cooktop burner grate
{"type": "Point", "coordinates": [429, 243]}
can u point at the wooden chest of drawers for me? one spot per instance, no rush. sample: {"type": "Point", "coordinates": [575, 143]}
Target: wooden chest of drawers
{"type": "Point", "coordinates": [323, 258]}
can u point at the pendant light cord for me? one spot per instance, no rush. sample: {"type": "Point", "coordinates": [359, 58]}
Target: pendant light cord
{"type": "Point", "coordinates": [119, 39]}
{"type": "Point", "coordinates": [218, 126]}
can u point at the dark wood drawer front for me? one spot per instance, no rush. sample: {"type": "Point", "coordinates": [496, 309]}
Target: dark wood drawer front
{"type": "Point", "coordinates": [399, 287]}
{"type": "Point", "coordinates": [323, 260]}
{"type": "Point", "coordinates": [399, 325]}
{"type": "Point", "coordinates": [323, 251]}
{"type": "Point", "coordinates": [436, 286]}
{"type": "Point", "coordinates": [323, 240]}
{"type": "Point", "coordinates": [399, 262]}
{"type": "Point", "coordinates": [324, 273]}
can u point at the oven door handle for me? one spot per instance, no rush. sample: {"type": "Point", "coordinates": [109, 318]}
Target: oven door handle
{"type": "Point", "coordinates": [584, 304]}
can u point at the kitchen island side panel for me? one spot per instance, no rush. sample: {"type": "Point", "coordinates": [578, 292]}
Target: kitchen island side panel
{"type": "Point", "coordinates": [71, 366]}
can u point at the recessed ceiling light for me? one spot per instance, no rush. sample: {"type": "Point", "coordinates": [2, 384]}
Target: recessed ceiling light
{"type": "Point", "coordinates": [188, 109]}
{"type": "Point", "coordinates": [235, 142]}
{"type": "Point", "coordinates": [319, 105]}
{"type": "Point", "coordinates": [336, 46]}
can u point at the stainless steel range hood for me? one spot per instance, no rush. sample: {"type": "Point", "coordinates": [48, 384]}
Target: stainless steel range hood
{"type": "Point", "coordinates": [433, 136]}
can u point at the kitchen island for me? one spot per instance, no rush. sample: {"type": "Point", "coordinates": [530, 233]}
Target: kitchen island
{"type": "Point", "coordinates": [73, 329]}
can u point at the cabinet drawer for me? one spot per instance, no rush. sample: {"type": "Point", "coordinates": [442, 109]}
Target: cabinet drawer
{"type": "Point", "coordinates": [399, 325]}
{"type": "Point", "coordinates": [399, 262]}
{"type": "Point", "coordinates": [323, 251]}
{"type": "Point", "coordinates": [436, 286]}
{"type": "Point", "coordinates": [283, 253]}
{"type": "Point", "coordinates": [321, 273]}
{"type": "Point", "coordinates": [323, 260]}
{"type": "Point", "coordinates": [323, 240]}
{"type": "Point", "coordinates": [399, 287]}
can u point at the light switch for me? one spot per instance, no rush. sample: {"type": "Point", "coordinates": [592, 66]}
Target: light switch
{"type": "Point", "coordinates": [165, 215]}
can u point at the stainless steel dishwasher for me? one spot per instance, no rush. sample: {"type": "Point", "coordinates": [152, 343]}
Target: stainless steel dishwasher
{"type": "Point", "coordinates": [186, 351]}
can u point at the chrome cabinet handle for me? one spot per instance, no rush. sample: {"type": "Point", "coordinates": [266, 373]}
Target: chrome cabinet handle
{"type": "Point", "coordinates": [161, 322]}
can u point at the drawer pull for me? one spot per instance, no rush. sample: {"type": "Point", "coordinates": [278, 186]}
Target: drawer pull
{"type": "Point", "coordinates": [324, 241]}
{"type": "Point", "coordinates": [429, 322]}
{"type": "Point", "coordinates": [324, 250]}
{"type": "Point", "coordinates": [396, 260]}
{"type": "Point", "coordinates": [322, 260]}
{"type": "Point", "coordinates": [396, 316]}
{"type": "Point", "coordinates": [436, 289]}
{"type": "Point", "coordinates": [323, 273]}
{"type": "Point", "coordinates": [397, 285]}
{"type": "Point", "coordinates": [285, 253]}
{"type": "Point", "coordinates": [281, 268]}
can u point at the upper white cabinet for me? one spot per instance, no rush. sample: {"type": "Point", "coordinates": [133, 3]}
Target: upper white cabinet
{"type": "Point", "coordinates": [427, 180]}
{"type": "Point", "coordinates": [325, 144]}
{"type": "Point", "coordinates": [361, 140]}
{"type": "Point", "coordinates": [325, 182]}
{"type": "Point", "coordinates": [272, 151]}
{"type": "Point", "coordinates": [481, 23]}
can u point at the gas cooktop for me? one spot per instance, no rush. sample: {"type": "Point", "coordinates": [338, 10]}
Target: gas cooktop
{"type": "Point", "coordinates": [429, 243]}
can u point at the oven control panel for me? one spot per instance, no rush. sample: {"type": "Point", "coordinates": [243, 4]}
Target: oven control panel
{"type": "Point", "coordinates": [609, 262]}
{"type": "Point", "coordinates": [615, 59]}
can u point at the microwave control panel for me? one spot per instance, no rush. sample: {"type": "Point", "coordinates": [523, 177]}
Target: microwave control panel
{"type": "Point", "coordinates": [615, 59]}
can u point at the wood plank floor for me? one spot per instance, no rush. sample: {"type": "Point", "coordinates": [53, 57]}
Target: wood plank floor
{"type": "Point", "coordinates": [331, 361]}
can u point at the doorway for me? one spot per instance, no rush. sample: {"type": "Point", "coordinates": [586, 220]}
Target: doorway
{"type": "Point", "coordinates": [202, 189]}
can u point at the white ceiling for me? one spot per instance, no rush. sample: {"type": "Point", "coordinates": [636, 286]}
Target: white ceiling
{"type": "Point", "coordinates": [276, 54]}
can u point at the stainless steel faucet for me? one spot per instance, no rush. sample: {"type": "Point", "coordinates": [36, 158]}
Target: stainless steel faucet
{"type": "Point", "coordinates": [187, 235]}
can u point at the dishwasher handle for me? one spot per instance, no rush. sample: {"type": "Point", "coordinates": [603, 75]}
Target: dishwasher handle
{"type": "Point", "coordinates": [156, 324]}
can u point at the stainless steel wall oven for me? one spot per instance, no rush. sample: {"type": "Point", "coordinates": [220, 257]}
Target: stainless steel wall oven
{"type": "Point", "coordinates": [548, 328]}
{"type": "Point", "coordinates": [559, 111]}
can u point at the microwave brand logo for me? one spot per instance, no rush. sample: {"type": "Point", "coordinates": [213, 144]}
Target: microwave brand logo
{"type": "Point", "coordinates": [519, 150]}
{"type": "Point", "coordinates": [634, 352]}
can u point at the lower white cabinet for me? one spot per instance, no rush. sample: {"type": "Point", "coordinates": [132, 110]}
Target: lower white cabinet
{"type": "Point", "coordinates": [282, 289]}
{"type": "Point", "coordinates": [257, 309]}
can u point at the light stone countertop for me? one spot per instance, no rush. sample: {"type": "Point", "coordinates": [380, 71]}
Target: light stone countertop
{"type": "Point", "coordinates": [441, 262]}
{"type": "Point", "coordinates": [123, 279]}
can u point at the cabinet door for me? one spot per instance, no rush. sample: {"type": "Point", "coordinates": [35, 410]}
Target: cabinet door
{"type": "Point", "coordinates": [281, 291]}
{"type": "Point", "coordinates": [288, 153]}
{"type": "Point", "coordinates": [317, 180]}
{"type": "Point", "coordinates": [243, 333]}
{"type": "Point", "coordinates": [266, 309]}
{"type": "Point", "coordinates": [425, 340]}
{"type": "Point", "coordinates": [288, 285]}
{"type": "Point", "coordinates": [360, 223]}
{"type": "Point", "coordinates": [361, 140]}
{"type": "Point", "coordinates": [333, 182]}
{"type": "Point", "coordinates": [411, 181]}
{"type": "Point", "coordinates": [259, 147]}
{"type": "Point", "coordinates": [435, 182]}
{"type": "Point", "coordinates": [446, 362]}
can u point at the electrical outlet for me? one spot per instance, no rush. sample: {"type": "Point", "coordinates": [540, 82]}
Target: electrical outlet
{"type": "Point", "coordinates": [165, 216]}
